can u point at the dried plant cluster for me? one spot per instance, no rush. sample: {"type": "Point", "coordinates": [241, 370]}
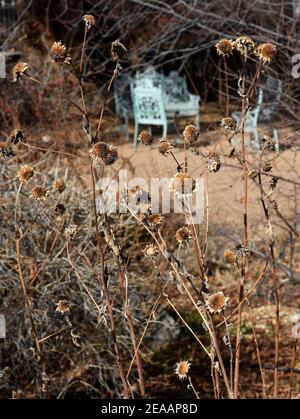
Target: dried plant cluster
{"type": "Point", "coordinates": [94, 291]}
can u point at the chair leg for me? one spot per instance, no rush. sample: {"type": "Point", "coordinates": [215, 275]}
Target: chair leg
{"type": "Point", "coordinates": [276, 139]}
{"type": "Point", "coordinates": [136, 131]}
{"type": "Point", "coordinates": [165, 130]}
{"type": "Point", "coordinates": [256, 139]}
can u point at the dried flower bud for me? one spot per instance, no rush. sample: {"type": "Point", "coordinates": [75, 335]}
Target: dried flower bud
{"type": "Point", "coordinates": [39, 193]}
{"type": "Point", "coordinates": [216, 302]}
{"type": "Point", "coordinates": [118, 50]}
{"type": "Point", "coordinates": [182, 184]}
{"type": "Point", "coordinates": [266, 52]}
{"type": "Point", "coordinates": [230, 256]}
{"type": "Point", "coordinates": [59, 54]}
{"type": "Point", "coordinates": [59, 185]}
{"type": "Point", "coordinates": [19, 70]}
{"type": "Point", "coordinates": [182, 369]}
{"type": "Point", "coordinates": [165, 147]}
{"type": "Point", "coordinates": [145, 137]}
{"type": "Point", "coordinates": [16, 135]}
{"type": "Point", "coordinates": [89, 21]}
{"type": "Point", "coordinates": [150, 251]}
{"type": "Point", "coordinates": [224, 47]}
{"type": "Point", "coordinates": [111, 156]}
{"type": "Point", "coordinates": [25, 173]}
{"type": "Point", "coordinates": [63, 307]}
{"type": "Point", "coordinates": [183, 234]}
{"type": "Point", "coordinates": [191, 133]}
{"type": "Point", "coordinates": [213, 162]}
{"type": "Point", "coordinates": [228, 123]}
{"type": "Point", "coordinates": [245, 45]}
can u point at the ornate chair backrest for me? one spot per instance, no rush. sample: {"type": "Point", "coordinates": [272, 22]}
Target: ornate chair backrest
{"type": "Point", "coordinates": [148, 106]}
{"type": "Point", "coordinates": [149, 78]}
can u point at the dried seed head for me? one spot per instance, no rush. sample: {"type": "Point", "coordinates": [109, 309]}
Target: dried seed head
{"type": "Point", "coordinates": [71, 231]}
{"type": "Point", "coordinates": [59, 185]}
{"type": "Point", "coordinates": [182, 369]}
{"type": "Point", "coordinates": [89, 21]}
{"type": "Point", "coordinates": [245, 45]}
{"type": "Point", "coordinates": [6, 151]}
{"type": "Point", "coordinates": [213, 162]}
{"type": "Point", "coordinates": [39, 193]}
{"type": "Point", "coordinates": [63, 307]}
{"type": "Point", "coordinates": [25, 173]}
{"type": "Point", "coordinates": [150, 251]}
{"type": "Point", "coordinates": [182, 184]}
{"type": "Point", "coordinates": [224, 47]}
{"type": "Point", "coordinates": [273, 182]}
{"type": "Point", "coordinates": [216, 302]}
{"type": "Point", "coordinates": [165, 147]}
{"type": "Point", "coordinates": [228, 123]}
{"type": "Point", "coordinates": [111, 156]}
{"type": "Point", "coordinates": [145, 137]}
{"type": "Point", "coordinates": [59, 54]}
{"type": "Point", "coordinates": [266, 166]}
{"type": "Point", "coordinates": [19, 70]}
{"type": "Point", "coordinates": [183, 234]}
{"type": "Point", "coordinates": [16, 135]}
{"type": "Point", "coordinates": [230, 256]}
{"type": "Point", "coordinates": [266, 52]}
{"type": "Point", "coordinates": [98, 151]}
{"type": "Point", "coordinates": [191, 133]}
{"type": "Point", "coordinates": [118, 50]}
{"type": "Point", "coordinates": [155, 220]}
{"type": "Point", "coordinates": [59, 209]}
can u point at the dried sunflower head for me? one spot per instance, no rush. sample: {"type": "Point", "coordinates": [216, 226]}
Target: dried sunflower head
{"type": "Point", "coordinates": [19, 70]}
{"type": "Point", "coordinates": [25, 173]}
{"type": "Point", "coordinates": [245, 45]}
{"type": "Point", "coordinates": [63, 307]}
{"type": "Point", "coordinates": [39, 193]}
{"type": "Point", "coordinates": [118, 50]}
{"type": "Point", "coordinates": [98, 151]}
{"type": "Point", "coordinates": [228, 123]}
{"type": "Point", "coordinates": [59, 54]}
{"type": "Point", "coordinates": [155, 220]}
{"type": "Point", "coordinates": [59, 185]}
{"type": "Point", "coordinates": [6, 151]}
{"type": "Point", "coordinates": [182, 184]}
{"type": "Point", "coordinates": [216, 302]}
{"type": "Point", "coordinates": [213, 162]}
{"type": "Point", "coordinates": [16, 135]}
{"type": "Point", "coordinates": [89, 21]}
{"type": "Point", "coordinates": [182, 369]}
{"type": "Point", "coordinates": [266, 52]}
{"type": "Point", "coordinates": [111, 156]}
{"type": "Point", "coordinates": [145, 137]}
{"type": "Point", "coordinates": [183, 234]}
{"type": "Point", "coordinates": [191, 133]}
{"type": "Point", "coordinates": [230, 256]}
{"type": "Point", "coordinates": [165, 146]}
{"type": "Point", "coordinates": [150, 251]}
{"type": "Point", "coordinates": [224, 47]}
